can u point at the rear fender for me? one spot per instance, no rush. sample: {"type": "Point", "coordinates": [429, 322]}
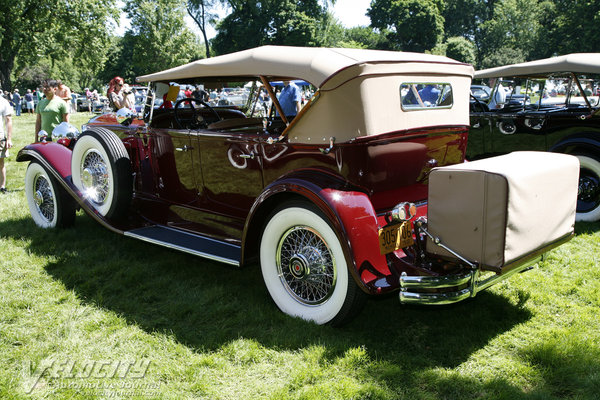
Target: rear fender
{"type": "Point", "coordinates": [349, 211]}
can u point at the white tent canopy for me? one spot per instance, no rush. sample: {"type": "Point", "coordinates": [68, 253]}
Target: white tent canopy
{"type": "Point", "coordinates": [588, 63]}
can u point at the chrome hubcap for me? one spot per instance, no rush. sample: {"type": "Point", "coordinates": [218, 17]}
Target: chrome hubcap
{"type": "Point", "coordinates": [306, 266]}
{"type": "Point", "coordinates": [38, 197]}
{"type": "Point", "coordinates": [299, 266]}
{"type": "Point", "coordinates": [43, 198]}
{"type": "Point", "coordinates": [588, 196]}
{"type": "Point", "coordinates": [94, 176]}
{"type": "Point", "coordinates": [87, 178]}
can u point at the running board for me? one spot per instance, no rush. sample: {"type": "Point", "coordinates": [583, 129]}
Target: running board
{"type": "Point", "coordinates": [189, 243]}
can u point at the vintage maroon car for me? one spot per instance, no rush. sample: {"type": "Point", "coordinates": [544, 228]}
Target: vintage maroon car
{"type": "Point", "coordinates": [363, 192]}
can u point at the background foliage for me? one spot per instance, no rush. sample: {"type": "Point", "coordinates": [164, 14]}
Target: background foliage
{"type": "Point", "coordinates": [77, 41]}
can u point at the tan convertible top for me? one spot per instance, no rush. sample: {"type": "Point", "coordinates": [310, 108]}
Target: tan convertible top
{"type": "Point", "coordinates": [313, 64]}
{"type": "Point", "coordinates": [577, 62]}
{"type": "Point", "coordinates": [359, 91]}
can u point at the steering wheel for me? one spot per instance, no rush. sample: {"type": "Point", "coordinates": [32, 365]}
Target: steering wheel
{"type": "Point", "coordinates": [195, 119]}
{"type": "Point", "coordinates": [480, 104]}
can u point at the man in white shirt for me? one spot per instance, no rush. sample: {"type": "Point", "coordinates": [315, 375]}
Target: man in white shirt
{"type": "Point", "coordinates": [498, 97]}
{"type": "Point", "coordinates": [6, 113]}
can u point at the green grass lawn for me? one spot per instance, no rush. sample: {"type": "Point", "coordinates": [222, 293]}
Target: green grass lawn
{"type": "Point", "coordinates": [86, 313]}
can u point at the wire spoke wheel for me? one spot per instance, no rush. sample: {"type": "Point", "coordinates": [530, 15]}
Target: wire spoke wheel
{"type": "Point", "coordinates": [101, 171]}
{"type": "Point", "coordinates": [95, 177]}
{"type": "Point", "coordinates": [49, 204]}
{"type": "Point", "coordinates": [44, 198]}
{"type": "Point", "coordinates": [305, 268]}
{"type": "Point", "coordinates": [306, 265]}
{"type": "Point", "coordinates": [588, 197]}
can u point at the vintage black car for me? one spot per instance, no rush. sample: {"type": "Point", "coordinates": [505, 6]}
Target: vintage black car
{"type": "Point", "coordinates": [550, 105]}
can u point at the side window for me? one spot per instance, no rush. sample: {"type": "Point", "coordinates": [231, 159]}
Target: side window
{"type": "Point", "coordinates": [551, 92]}
{"type": "Point", "coordinates": [421, 96]}
{"type": "Point", "coordinates": [590, 89]}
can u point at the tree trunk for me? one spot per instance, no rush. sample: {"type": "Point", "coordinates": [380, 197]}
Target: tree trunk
{"type": "Point", "coordinates": [201, 26]}
{"type": "Point", "coordinates": [6, 66]}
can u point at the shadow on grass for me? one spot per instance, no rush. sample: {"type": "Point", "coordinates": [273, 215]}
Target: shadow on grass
{"type": "Point", "coordinates": [206, 305]}
{"type": "Point", "coordinates": [587, 228]}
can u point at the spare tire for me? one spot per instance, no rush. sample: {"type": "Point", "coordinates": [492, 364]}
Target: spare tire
{"type": "Point", "coordinates": [101, 171]}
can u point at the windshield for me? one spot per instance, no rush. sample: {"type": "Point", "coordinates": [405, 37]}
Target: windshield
{"type": "Point", "coordinates": [247, 96]}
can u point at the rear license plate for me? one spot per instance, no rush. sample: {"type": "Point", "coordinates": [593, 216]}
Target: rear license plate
{"type": "Point", "coordinates": [394, 237]}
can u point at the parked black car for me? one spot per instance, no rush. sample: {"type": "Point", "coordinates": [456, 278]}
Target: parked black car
{"type": "Point", "coordinates": [551, 105]}
{"type": "Point", "coordinates": [480, 92]}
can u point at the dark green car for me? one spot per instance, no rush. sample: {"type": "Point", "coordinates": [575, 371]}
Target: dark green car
{"type": "Point", "coordinates": [547, 105]}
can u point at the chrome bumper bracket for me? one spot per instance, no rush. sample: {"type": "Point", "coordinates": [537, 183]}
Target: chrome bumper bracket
{"type": "Point", "coordinates": [418, 289]}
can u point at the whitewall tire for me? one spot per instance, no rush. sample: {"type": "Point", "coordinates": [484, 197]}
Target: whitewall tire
{"type": "Point", "coordinates": [304, 267]}
{"type": "Point", "coordinates": [588, 199]}
{"type": "Point", "coordinates": [49, 204]}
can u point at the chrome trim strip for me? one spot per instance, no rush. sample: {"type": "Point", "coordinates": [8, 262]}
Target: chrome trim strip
{"type": "Point", "coordinates": [186, 249]}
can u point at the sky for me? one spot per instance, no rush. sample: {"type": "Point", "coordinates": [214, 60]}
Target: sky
{"type": "Point", "coordinates": [350, 13]}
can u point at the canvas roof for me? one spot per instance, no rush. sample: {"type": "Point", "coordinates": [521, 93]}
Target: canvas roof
{"type": "Point", "coordinates": [577, 62]}
{"type": "Point", "coordinates": [312, 64]}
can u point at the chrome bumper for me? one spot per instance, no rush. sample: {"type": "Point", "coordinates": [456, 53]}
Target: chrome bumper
{"type": "Point", "coordinates": [414, 289]}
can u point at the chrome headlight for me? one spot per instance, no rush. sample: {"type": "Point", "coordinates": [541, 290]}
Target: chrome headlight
{"type": "Point", "coordinates": [42, 136]}
{"type": "Point", "coordinates": [65, 130]}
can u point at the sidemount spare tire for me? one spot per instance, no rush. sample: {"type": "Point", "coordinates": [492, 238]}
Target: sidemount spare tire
{"type": "Point", "coordinates": [101, 171]}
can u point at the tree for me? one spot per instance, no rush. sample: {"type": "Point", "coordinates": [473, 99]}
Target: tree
{"type": "Point", "coordinates": [410, 25]}
{"type": "Point", "coordinates": [33, 31]}
{"type": "Point", "coordinates": [460, 49]}
{"type": "Point", "coordinates": [576, 26]}
{"type": "Point", "coordinates": [119, 56]}
{"type": "Point", "coordinates": [200, 11]}
{"type": "Point", "coordinates": [517, 27]}
{"type": "Point", "coordinates": [503, 56]}
{"type": "Point", "coordinates": [282, 22]}
{"type": "Point", "coordinates": [330, 32]}
{"type": "Point", "coordinates": [366, 37]}
{"type": "Point", "coordinates": [159, 36]}
{"type": "Point", "coordinates": [464, 17]}
{"type": "Point", "coordinates": [457, 48]}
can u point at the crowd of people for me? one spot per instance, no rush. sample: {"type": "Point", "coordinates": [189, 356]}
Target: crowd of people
{"type": "Point", "coordinates": [52, 102]}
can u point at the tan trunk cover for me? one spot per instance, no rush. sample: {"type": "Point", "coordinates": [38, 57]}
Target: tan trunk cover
{"type": "Point", "coordinates": [497, 210]}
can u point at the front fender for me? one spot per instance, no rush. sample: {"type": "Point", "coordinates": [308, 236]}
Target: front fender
{"type": "Point", "coordinates": [348, 209]}
{"type": "Point", "coordinates": [588, 143]}
{"type": "Point", "coordinates": [55, 157]}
